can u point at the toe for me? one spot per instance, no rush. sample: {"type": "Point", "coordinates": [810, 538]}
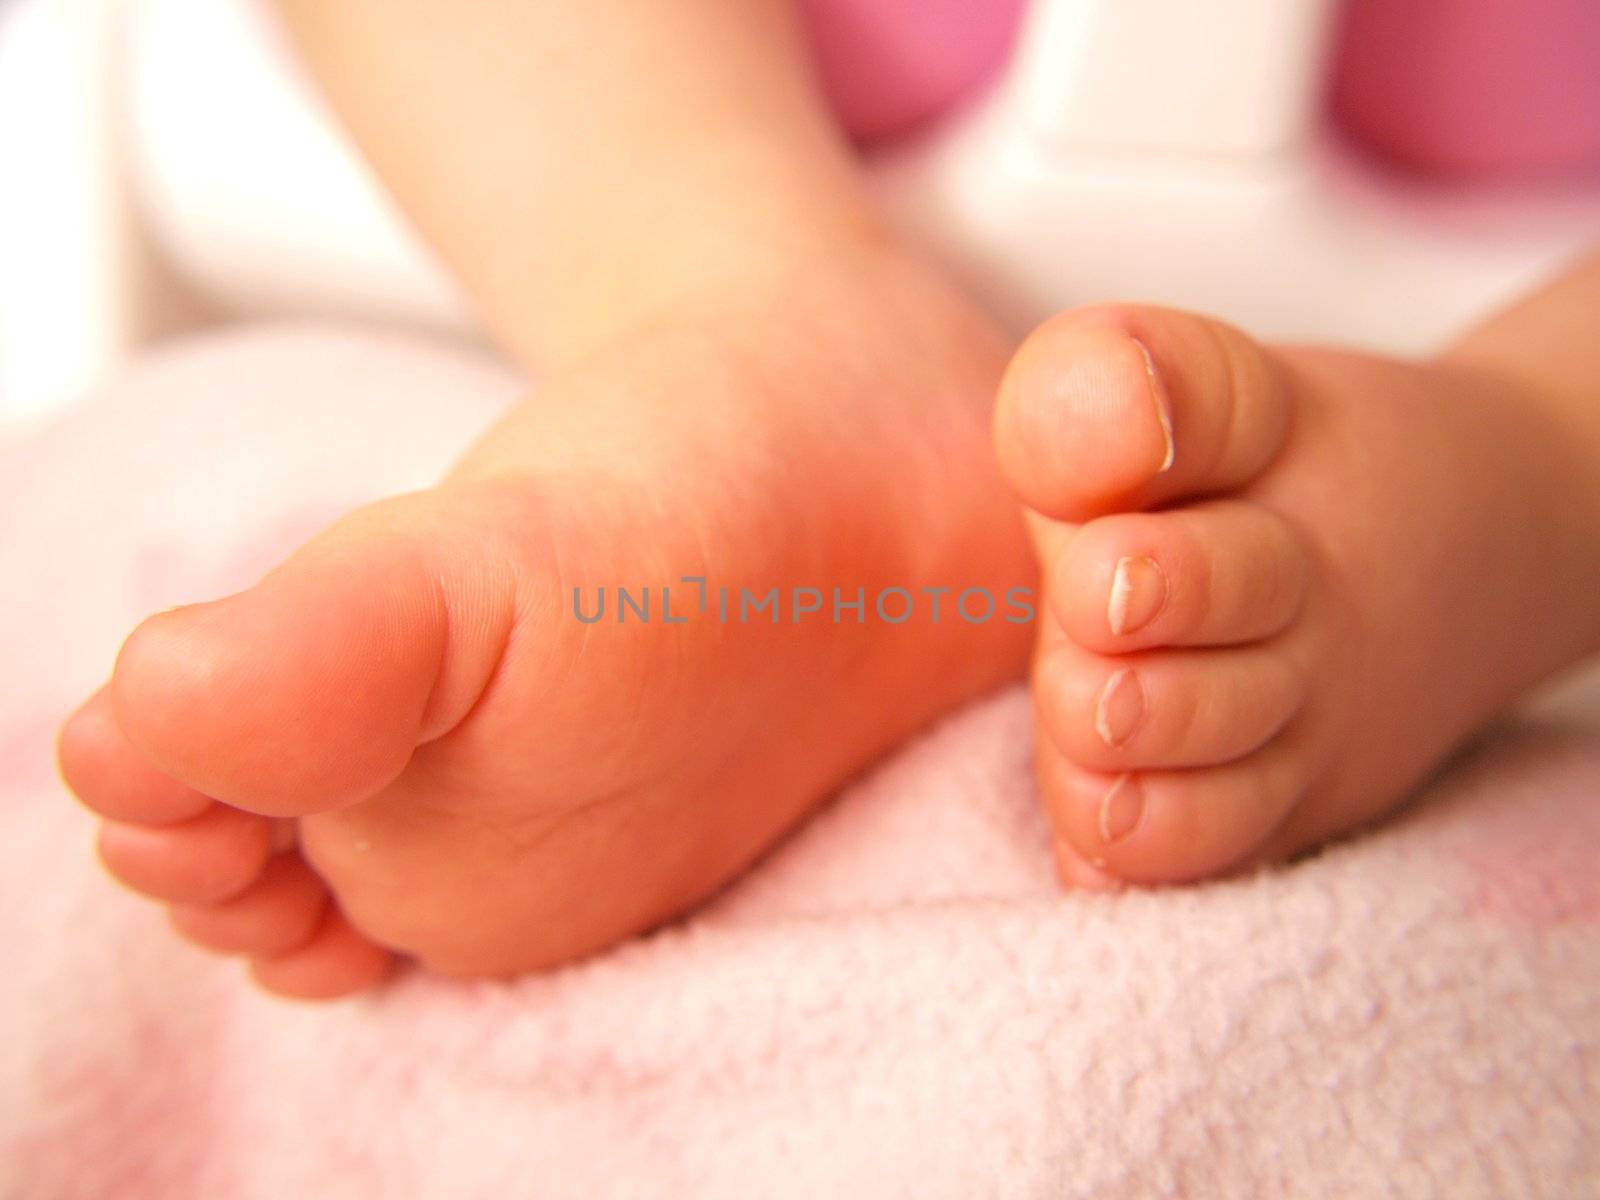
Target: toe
{"type": "Point", "coordinates": [1173, 826]}
{"type": "Point", "coordinates": [1076, 873]}
{"type": "Point", "coordinates": [1120, 408]}
{"type": "Point", "coordinates": [113, 778]}
{"type": "Point", "coordinates": [336, 961]}
{"type": "Point", "coordinates": [1163, 709]}
{"type": "Point", "coordinates": [275, 914]}
{"type": "Point", "coordinates": [1218, 573]}
{"type": "Point", "coordinates": [199, 861]}
{"type": "Point", "coordinates": [310, 690]}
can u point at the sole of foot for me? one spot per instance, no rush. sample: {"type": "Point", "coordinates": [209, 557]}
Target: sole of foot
{"type": "Point", "coordinates": [405, 743]}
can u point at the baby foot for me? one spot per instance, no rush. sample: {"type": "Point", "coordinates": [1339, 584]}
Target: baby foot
{"type": "Point", "coordinates": [1280, 585]}
{"type": "Point", "coordinates": [405, 739]}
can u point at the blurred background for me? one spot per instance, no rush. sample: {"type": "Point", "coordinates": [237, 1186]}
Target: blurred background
{"type": "Point", "coordinates": [1377, 171]}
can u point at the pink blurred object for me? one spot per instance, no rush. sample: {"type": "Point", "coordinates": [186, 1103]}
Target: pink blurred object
{"type": "Point", "coordinates": [1474, 87]}
{"type": "Point", "coordinates": [897, 1003]}
{"type": "Point", "coordinates": [890, 66]}
{"type": "Point", "coordinates": [1168, 150]}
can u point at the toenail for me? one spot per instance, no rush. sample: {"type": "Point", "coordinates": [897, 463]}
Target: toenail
{"type": "Point", "coordinates": [1158, 397]}
{"type": "Point", "coordinates": [1138, 590]}
{"type": "Point", "coordinates": [1120, 708]}
{"type": "Point", "coordinates": [1080, 874]}
{"type": "Point", "coordinates": [1121, 810]}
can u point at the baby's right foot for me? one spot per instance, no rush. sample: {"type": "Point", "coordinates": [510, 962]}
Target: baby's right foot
{"type": "Point", "coordinates": [1281, 585]}
{"type": "Point", "coordinates": [477, 778]}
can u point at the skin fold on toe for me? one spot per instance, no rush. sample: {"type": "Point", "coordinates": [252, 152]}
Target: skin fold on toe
{"type": "Point", "coordinates": [276, 913]}
{"type": "Point", "coordinates": [335, 961]}
{"type": "Point", "coordinates": [203, 860]}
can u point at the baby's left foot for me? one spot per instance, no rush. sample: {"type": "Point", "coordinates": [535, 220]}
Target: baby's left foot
{"type": "Point", "coordinates": [1282, 585]}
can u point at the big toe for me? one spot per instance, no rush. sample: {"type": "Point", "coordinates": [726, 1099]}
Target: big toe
{"type": "Point", "coordinates": [1121, 408]}
{"type": "Point", "coordinates": [310, 690]}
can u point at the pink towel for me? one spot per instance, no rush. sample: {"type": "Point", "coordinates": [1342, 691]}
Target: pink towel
{"type": "Point", "coordinates": [897, 1003]}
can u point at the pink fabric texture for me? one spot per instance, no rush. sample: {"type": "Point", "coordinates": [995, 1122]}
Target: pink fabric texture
{"type": "Point", "coordinates": [898, 1003]}
{"type": "Point", "coordinates": [1475, 87]}
{"type": "Point", "coordinates": [890, 66]}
